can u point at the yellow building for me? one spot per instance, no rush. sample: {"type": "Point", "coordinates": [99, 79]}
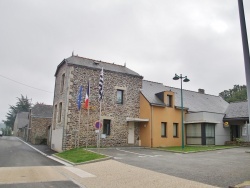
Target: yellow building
{"type": "Point", "coordinates": [164, 125]}
{"type": "Point", "coordinates": [161, 106]}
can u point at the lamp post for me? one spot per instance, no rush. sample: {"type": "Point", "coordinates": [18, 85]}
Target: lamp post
{"type": "Point", "coordinates": [185, 79]}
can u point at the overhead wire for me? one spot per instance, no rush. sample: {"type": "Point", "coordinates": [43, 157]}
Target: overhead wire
{"type": "Point", "coordinates": [24, 84]}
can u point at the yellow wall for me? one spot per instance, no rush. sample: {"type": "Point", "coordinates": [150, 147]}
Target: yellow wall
{"type": "Point", "coordinates": [156, 115]}
{"type": "Point", "coordinates": [145, 127]}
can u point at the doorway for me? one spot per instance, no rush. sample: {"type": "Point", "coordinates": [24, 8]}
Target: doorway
{"type": "Point", "coordinates": [235, 132]}
{"type": "Point", "coordinates": [131, 133]}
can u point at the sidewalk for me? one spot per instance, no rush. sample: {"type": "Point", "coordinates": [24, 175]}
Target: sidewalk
{"type": "Point", "coordinates": [43, 148]}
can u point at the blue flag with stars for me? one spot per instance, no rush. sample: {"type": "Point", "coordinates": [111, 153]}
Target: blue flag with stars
{"type": "Point", "coordinates": [79, 98]}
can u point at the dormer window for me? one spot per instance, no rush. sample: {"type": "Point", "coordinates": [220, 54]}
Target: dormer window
{"type": "Point", "coordinates": [169, 101]}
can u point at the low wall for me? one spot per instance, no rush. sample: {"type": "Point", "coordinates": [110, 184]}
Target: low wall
{"type": "Point", "coordinates": [235, 143]}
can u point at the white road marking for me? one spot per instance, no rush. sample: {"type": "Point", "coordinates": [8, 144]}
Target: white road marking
{"type": "Point", "coordinates": [51, 157]}
{"type": "Point", "coordinates": [140, 154]}
{"type": "Point", "coordinates": [79, 172]}
{"type": "Point", "coordinates": [117, 158]}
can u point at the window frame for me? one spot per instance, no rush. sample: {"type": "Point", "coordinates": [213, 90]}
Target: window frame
{"type": "Point", "coordinates": [164, 124]}
{"type": "Point", "coordinates": [169, 100]}
{"type": "Point", "coordinates": [62, 83]}
{"type": "Point", "coordinates": [59, 119]}
{"type": "Point", "coordinates": [175, 130]}
{"type": "Point", "coordinates": [122, 96]}
{"type": "Point", "coordinates": [55, 117]}
{"type": "Point", "coordinates": [106, 127]}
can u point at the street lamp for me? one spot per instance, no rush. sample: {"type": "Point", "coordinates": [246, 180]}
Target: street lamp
{"type": "Point", "coordinates": [176, 77]}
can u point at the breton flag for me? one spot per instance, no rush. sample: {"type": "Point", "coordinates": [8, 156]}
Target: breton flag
{"type": "Point", "coordinates": [101, 86]}
{"type": "Point", "coordinates": [86, 104]}
{"type": "Point", "coordinates": [79, 98]}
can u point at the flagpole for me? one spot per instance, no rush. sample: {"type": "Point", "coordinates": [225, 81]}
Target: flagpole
{"type": "Point", "coordinates": [79, 101]}
{"type": "Point", "coordinates": [87, 136]}
{"type": "Point", "coordinates": [79, 127]}
{"type": "Point", "coordinates": [100, 124]}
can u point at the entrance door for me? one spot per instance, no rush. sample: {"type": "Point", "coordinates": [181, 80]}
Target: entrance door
{"type": "Point", "coordinates": [131, 133]}
{"type": "Point", "coordinates": [235, 132]}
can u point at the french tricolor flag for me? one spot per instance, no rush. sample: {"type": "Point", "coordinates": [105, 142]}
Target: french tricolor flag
{"type": "Point", "coordinates": [86, 103]}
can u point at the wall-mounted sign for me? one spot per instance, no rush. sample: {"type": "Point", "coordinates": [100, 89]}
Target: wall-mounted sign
{"type": "Point", "coordinates": [98, 125]}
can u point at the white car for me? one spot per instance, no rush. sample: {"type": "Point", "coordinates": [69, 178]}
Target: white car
{"type": "Point", "coordinates": [1, 133]}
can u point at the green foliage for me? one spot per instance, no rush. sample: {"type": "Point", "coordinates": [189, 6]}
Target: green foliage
{"type": "Point", "coordinates": [79, 155]}
{"type": "Point", "coordinates": [23, 105]}
{"type": "Point", "coordinates": [190, 149]}
{"type": "Point", "coordinates": [238, 93]}
{"type": "Point", "coordinates": [7, 131]}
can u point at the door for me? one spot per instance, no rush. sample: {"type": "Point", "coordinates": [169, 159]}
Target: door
{"type": "Point", "coordinates": [131, 133]}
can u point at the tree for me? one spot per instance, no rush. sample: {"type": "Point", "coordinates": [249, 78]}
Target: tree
{"type": "Point", "coordinates": [23, 105]}
{"type": "Point", "coordinates": [238, 93]}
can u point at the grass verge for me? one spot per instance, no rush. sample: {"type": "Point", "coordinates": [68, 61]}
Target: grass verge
{"type": "Point", "coordinates": [79, 155]}
{"type": "Point", "coordinates": [189, 149]}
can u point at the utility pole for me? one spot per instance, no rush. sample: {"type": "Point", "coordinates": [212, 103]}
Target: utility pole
{"type": "Point", "coordinates": [245, 52]}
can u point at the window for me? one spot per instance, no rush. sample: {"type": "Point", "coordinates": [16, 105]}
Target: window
{"type": "Point", "coordinates": [163, 129]}
{"type": "Point", "coordinates": [62, 82]}
{"type": "Point", "coordinates": [200, 134]}
{"type": "Point", "coordinates": [55, 112]}
{"type": "Point", "coordinates": [119, 97]}
{"type": "Point", "coordinates": [194, 134]}
{"type": "Point", "coordinates": [169, 100]}
{"type": "Point", "coordinates": [60, 112]}
{"type": "Point", "coordinates": [106, 126]}
{"type": "Point", "coordinates": [175, 130]}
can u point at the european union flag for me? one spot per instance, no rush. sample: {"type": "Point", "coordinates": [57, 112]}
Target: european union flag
{"type": "Point", "coordinates": [79, 98]}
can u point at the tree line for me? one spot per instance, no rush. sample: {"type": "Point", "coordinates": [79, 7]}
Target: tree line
{"type": "Point", "coordinates": [238, 93]}
{"type": "Point", "coordinates": [23, 104]}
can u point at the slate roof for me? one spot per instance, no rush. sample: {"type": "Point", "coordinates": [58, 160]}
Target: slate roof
{"type": "Point", "coordinates": [194, 101]}
{"type": "Point", "coordinates": [96, 64]}
{"type": "Point", "coordinates": [42, 111]}
{"type": "Point", "coordinates": [22, 119]}
{"type": "Point", "coordinates": [237, 110]}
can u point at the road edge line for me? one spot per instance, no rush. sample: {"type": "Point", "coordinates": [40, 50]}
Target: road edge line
{"type": "Point", "coordinates": [44, 154]}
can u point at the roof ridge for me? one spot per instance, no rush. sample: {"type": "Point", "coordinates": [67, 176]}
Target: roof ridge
{"type": "Point", "coordinates": [194, 91]}
{"type": "Point", "coordinates": [153, 82]}
{"type": "Point", "coordinates": [98, 60]}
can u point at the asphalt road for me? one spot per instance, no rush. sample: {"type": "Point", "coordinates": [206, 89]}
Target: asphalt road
{"type": "Point", "coordinates": [221, 168]}
{"type": "Point", "coordinates": [14, 153]}
{"type": "Point", "coordinates": [16, 156]}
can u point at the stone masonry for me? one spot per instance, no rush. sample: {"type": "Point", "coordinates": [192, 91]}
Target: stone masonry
{"type": "Point", "coordinates": [39, 130]}
{"type": "Point", "coordinates": [76, 75]}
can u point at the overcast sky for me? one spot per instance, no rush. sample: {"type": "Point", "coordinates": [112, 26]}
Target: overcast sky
{"type": "Point", "coordinates": [156, 38]}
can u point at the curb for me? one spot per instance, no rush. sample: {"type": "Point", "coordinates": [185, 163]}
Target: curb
{"type": "Point", "coordinates": [183, 152]}
{"type": "Point", "coordinates": [44, 154]}
{"type": "Point", "coordinates": [86, 162]}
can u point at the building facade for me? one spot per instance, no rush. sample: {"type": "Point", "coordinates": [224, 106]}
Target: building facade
{"type": "Point", "coordinates": [203, 117]}
{"type": "Point", "coordinates": [119, 108]}
{"type": "Point", "coordinates": [40, 120]}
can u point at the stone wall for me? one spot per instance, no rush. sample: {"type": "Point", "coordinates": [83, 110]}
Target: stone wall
{"type": "Point", "coordinates": [39, 130]}
{"type": "Point", "coordinates": [117, 113]}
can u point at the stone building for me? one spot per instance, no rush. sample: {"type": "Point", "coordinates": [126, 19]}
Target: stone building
{"type": "Point", "coordinates": [40, 120]}
{"type": "Point", "coordinates": [21, 124]}
{"type": "Point", "coordinates": [119, 109]}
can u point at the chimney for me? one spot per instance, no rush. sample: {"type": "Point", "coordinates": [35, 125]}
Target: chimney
{"type": "Point", "coordinates": [202, 91]}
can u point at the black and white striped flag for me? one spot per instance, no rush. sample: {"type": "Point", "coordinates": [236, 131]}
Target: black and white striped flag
{"type": "Point", "coordinates": [101, 86]}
